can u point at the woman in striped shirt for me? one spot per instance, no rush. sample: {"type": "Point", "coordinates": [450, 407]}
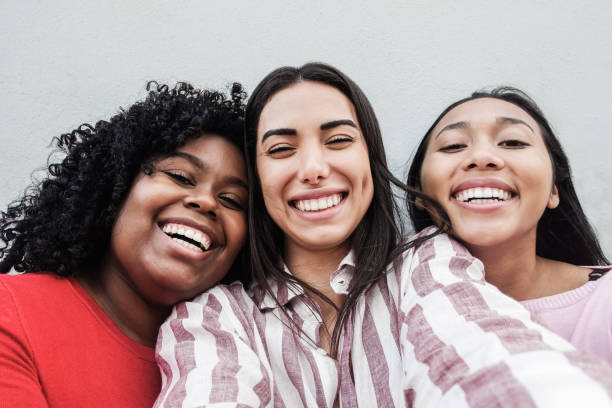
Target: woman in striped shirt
{"type": "Point", "coordinates": [495, 164]}
{"type": "Point", "coordinates": [342, 313]}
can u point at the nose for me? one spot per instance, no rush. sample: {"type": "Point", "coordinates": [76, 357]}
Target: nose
{"type": "Point", "coordinates": [313, 165]}
{"type": "Point", "coordinates": [483, 156]}
{"type": "Point", "coordinates": [202, 201]}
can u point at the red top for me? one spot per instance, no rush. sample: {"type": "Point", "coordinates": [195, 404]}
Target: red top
{"type": "Point", "coordinates": [59, 349]}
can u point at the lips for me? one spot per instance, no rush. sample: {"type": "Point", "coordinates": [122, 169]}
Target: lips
{"type": "Point", "coordinates": [318, 204]}
{"type": "Point", "coordinates": [319, 201]}
{"type": "Point", "coordinates": [483, 191]}
{"type": "Point", "coordinates": [189, 234]}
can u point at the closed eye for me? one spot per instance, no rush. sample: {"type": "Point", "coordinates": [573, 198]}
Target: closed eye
{"type": "Point", "coordinates": [179, 177]}
{"type": "Point", "coordinates": [452, 147]}
{"type": "Point", "coordinates": [280, 150]}
{"type": "Point", "coordinates": [513, 143]}
{"type": "Point", "coordinates": [339, 140]}
{"type": "Point", "coordinates": [231, 203]}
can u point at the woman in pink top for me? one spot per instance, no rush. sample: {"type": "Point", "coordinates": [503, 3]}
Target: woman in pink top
{"type": "Point", "coordinates": [493, 162]}
{"type": "Point", "coordinates": [341, 314]}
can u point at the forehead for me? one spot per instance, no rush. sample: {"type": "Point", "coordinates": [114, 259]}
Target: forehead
{"type": "Point", "coordinates": [215, 151]}
{"type": "Point", "coordinates": [484, 111]}
{"type": "Point", "coordinates": [305, 103]}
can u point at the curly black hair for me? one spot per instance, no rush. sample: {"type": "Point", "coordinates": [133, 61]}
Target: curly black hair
{"type": "Point", "coordinates": [63, 223]}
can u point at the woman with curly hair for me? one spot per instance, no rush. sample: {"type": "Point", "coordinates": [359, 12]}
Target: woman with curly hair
{"type": "Point", "coordinates": [145, 210]}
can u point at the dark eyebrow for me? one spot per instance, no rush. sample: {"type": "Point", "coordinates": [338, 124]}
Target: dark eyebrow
{"type": "Point", "coordinates": [502, 120]}
{"type": "Point", "coordinates": [281, 131]}
{"type": "Point", "coordinates": [189, 157]}
{"type": "Point", "coordinates": [339, 122]}
{"type": "Point", "coordinates": [456, 125]}
{"type": "Point", "coordinates": [237, 181]}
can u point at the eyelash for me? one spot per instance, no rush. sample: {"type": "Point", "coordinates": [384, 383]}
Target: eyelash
{"type": "Point", "coordinates": [279, 149]}
{"type": "Point", "coordinates": [514, 143]}
{"type": "Point", "coordinates": [179, 178]}
{"type": "Point", "coordinates": [340, 139]}
{"type": "Point", "coordinates": [452, 147]}
{"type": "Point", "coordinates": [233, 204]}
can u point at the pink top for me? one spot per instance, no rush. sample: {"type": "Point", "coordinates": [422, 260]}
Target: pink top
{"type": "Point", "coordinates": [430, 333]}
{"type": "Point", "coordinates": [582, 316]}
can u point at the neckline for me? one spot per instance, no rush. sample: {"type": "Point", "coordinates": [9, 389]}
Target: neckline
{"type": "Point", "coordinates": [140, 350]}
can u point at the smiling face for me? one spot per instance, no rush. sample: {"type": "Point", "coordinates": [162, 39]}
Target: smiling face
{"type": "Point", "coordinates": [181, 227]}
{"type": "Point", "coordinates": [313, 166]}
{"type": "Point", "coordinates": [487, 165]}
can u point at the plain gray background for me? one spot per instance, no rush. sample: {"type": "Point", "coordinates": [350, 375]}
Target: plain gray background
{"type": "Point", "coordinates": [69, 62]}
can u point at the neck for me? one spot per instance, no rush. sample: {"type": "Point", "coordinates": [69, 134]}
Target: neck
{"type": "Point", "coordinates": [315, 267]}
{"type": "Point", "coordinates": [512, 267]}
{"type": "Point", "coordinates": [124, 304]}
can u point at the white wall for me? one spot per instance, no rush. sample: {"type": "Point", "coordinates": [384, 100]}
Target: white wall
{"type": "Point", "coordinates": [68, 62]}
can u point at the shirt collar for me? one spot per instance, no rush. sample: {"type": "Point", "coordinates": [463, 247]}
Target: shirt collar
{"type": "Point", "coordinates": [339, 280]}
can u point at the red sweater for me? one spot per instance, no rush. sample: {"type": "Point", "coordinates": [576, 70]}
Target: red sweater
{"type": "Point", "coordinates": [59, 349]}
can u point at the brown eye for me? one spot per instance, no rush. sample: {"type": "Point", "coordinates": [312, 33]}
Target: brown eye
{"type": "Point", "coordinates": [512, 143]}
{"type": "Point", "coordinates": [338, 142]}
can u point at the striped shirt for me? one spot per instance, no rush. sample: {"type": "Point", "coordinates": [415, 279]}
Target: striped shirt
{"type": "Point", "coordinates": [430, 333]}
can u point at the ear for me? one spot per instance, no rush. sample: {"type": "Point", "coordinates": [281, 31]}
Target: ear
{"type": "Point", "coordinates": [553, 200]}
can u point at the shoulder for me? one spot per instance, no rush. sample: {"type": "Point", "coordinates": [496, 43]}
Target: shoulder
{"type": "Point", "coordinates": [603, 287]}
{"type": "Point", "coordinates": [437, 261]}
{"type": "Point", "coordinates": [38, 286]}
{"type": "Point", "coordinates": [431, 244]}
{"type": "Point", "coordinates": [224, 305]}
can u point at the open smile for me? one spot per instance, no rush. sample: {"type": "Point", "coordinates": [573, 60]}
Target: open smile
{"type": "Point", "coordinates": [188, 236]}
{"type": "Point", "coordinates": [483, 195]}
{"type": "Point", "coordinates": [320, 203]}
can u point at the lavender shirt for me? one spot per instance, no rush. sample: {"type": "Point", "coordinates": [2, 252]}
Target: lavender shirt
{"type": "Point", "coordinates": [582, 316]}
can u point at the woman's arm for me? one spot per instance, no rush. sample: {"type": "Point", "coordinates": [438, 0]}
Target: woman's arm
{"type": "Point", "coordinates": [464, 343]}
{"type": "Point", "coordinates": [19, 384]}
{"type": "Point", "coordinates": [213, 330]}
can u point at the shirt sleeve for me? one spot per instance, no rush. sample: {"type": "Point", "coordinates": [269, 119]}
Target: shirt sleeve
{"type": "Point", "coordinates": [214, 331]}
{"type": "Point", "coordinates": [464, 343]}
{"type": "Point", "coordinates": [19, 384]}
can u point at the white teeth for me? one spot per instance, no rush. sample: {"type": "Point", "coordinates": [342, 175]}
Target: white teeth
{"type": "Point", "coordinates": [483, 195]}
{"type": "Point", "coordinates": [188, 232]}
{"type": "Point", "coordinates": [186, 244]}
{"type": "Point", "coordinates": [319, 204]}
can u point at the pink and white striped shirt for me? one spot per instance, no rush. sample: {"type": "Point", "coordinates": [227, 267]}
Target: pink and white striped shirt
{"type": "Point", "coordinates": [430, 333]}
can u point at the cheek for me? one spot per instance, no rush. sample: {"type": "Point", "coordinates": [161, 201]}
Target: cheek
{"type": "Point", "coordinates": [235, 232]}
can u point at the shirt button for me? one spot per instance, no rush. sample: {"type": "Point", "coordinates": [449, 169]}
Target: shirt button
{"type": "Point", "coordinates": [322, 351]}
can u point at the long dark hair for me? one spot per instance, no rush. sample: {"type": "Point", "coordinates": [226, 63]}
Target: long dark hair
{"type": "Point", "coordinates": [376, 238]}
{"type": "Point", "coordinates": [63, 224]}
{"type": "Point", "coordinates": [563, 233]}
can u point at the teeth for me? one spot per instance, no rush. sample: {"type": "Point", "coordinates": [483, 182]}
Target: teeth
{"type": "Point", "coordinates": [483, 195]}
{"type": "Point", "coordinates": [319, 204]}
{"type": "Point", "coordinates": [188, 232]}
